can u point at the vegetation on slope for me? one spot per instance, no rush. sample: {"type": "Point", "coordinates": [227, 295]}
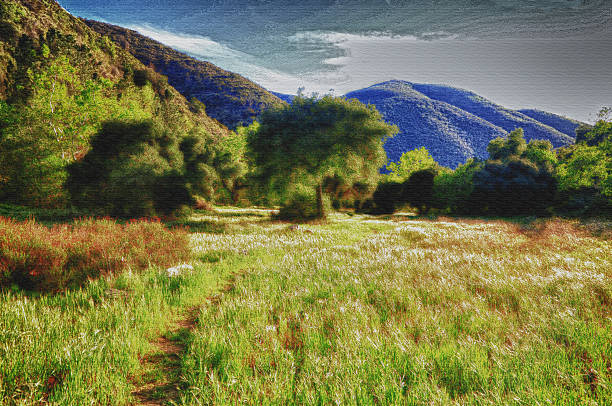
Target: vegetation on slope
{"type": "Point", "coordinates": [228, 97]}
{"type": "Point", "coordinates": [453, 124]}
{"type": "Point", "coordinates": [59, 82]}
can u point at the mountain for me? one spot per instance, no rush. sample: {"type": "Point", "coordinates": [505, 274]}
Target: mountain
{"type": "Point", "coordinates": [494, 113]}
{"type": "Point", "coordinates": [453, 124]}
{"type": "Point", "coordinates": [563, 124]}
{"type": "Point", "coordinates": [230, 98]}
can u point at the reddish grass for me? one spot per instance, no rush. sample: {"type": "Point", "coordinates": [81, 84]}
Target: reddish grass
{"type": "Point", "coordinates": [35, 257]}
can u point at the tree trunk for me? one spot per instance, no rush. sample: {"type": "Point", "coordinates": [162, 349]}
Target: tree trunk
{"type": "Point", "coordinates": [320, 206]}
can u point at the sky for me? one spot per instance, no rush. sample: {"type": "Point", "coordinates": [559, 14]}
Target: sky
{"type": "Point", "coordinates": [555, 55]}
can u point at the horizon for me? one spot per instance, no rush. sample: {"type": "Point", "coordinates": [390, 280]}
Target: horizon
{"type": "Point", "coordinates": [557, 62]}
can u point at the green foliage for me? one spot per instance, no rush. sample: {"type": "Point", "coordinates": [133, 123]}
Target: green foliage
{"type": "Point", "coordinates": [418, 189]}
{"type": "Point", "coordinates": [302, 205]}
{"type": "Point", "coordinates": [585, 172]}
{"type": "Point", "coordinates": [513, 187]}
{"type": "Point", "coordinates": [12, 11]}
{"type": "Point", "coordinates": [313, 140]}
{"type": "Point", "coordinates": [386, 199]}
{"type": "Point", "coordinates": [518, 179]}
{"type": "Point", "coordinates": [197, 106]}
{"type": "Point", "coordinates": [586, 167]}
{"type": "Point", "coordinates": [504, 148]}
{"type": "Point", "coordinates": [142, 168]}
{"type": "Point", "coordinates": [59, 81]}
{"type": "Point", "coordinates": [453, 189]}
{"type": "Point", "coordinates": [411, 161]}
{"type": "Point", "coordinates": [141, 77]}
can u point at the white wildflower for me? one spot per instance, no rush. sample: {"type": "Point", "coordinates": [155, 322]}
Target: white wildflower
{"type": "Point", "coordinates": [177, 270]}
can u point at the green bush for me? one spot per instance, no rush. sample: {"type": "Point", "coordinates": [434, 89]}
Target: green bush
{"type": "Point", "coordinates": [418, 189]}
{"type": "Point", "coordinates": [387, 198]}
{"type": "Point", "coordinates": [139, 169]}
{"type": "Point", "coordinates": [301, 206]}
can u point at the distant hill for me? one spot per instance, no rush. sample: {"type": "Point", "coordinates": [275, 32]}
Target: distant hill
{"type": "Point", "coordinates": [230, 98]}
{"type": "Point", "coordinates": [453, 124]}
{"type": "Point", "coordinates": [559, 123]}
{"type": "Point", "coordinates": [493, 113]}
{"type": "Point", "coordinates": [450, 134]}
{"type": "Point", "coordinates": [286, 97]}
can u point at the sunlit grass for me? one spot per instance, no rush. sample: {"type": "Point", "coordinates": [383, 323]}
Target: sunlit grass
{"type": "Point", "coordinates": [367, 310]}
{"type": "Point", "coordinates": [361, 309]}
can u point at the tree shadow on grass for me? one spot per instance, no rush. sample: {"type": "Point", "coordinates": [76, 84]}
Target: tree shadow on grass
{"type": "Point", "coordinates": [201, 226]}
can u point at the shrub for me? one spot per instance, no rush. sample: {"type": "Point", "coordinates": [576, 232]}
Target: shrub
{"type": "Point", "coordinates": [410, 162]}
{"type": "Point", "coordinates": [453, 188]}
{"type": "Point", "coordinates": [387, 197]}
{"type": "Point", "coordinates": [515, 187]}
{"type": "Point", "coordinates": [301, 205]}
{"type": "Point", "coordinates": [135, 169]}
{"type": "Point", "coordinates": [141, 77]}
{"type": "Point", "coordinates": [38, 258]}
{"type": "Point", "coordinates": [418, 189]}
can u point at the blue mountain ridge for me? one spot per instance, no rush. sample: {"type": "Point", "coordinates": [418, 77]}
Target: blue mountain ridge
{"type": "Point", "coordinates": [454, 124]}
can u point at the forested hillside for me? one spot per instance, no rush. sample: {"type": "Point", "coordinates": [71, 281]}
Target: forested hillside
{"type": "Point", "coordinates": [59, 82]}
{"type": "Point", "coordinates": [230, 98]}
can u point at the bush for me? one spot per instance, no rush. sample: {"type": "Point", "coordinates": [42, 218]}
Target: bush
{"type": "Point", "coordinates": [141, 77]}
{"type": "Point", "coordinates": [453, 189]}
{"type": "Point", "coordinates": [38, 258]}
{"type": "Point", "coordinates": [418, 189]}
{"type": "Point", "coordinates": [387, 198]}
{"type": "Point", "coordinates": [302, 205]}
{"type": "Point", "coordinates": [136, 169]}
{"type": "Point", "coordinates": [515, 187]}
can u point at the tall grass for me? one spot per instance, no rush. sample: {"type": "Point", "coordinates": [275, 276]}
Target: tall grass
{"type": "Point", "coordinates": [359, 310]}
{"type": "Point", "coordinates": [366, 311]}
{"type": "Point", "coordinates": [36, 257]}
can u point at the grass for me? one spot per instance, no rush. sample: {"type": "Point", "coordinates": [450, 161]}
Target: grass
{"type": "Point", "coordinates": [365, 311]}
{"type": "Point", "coordinates": [360, 310]}
{"type": "Point", "coordinates": [51, 259]}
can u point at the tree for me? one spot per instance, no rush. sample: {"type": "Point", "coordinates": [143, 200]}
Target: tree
{"type": "Point", "coordinates": [411, 161]}
{"type": "Point", "coordinates": [453, 188]}
{"type": "Point", "coordinates": [140, 168]}
{"type": "Point", "coordinates": [418, 189]}
{"type": "Point", "coordinates": [517, 179]}
{"type": "Point", "coordinates": [584, 171]}
{"type": "Point", "coordinates": [312, 141]}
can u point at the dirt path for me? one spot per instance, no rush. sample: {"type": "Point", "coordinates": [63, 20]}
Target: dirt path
{"type": "Point", "coordinates": [161, 382]}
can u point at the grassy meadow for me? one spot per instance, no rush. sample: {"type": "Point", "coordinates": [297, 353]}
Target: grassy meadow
{"type": "Point", "coordinates": [357, 310]}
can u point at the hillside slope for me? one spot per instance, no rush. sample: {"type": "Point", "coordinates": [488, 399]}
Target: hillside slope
{"type": "Point", "coordinates": [450, 134]}
{"type": "Point", "coordinates": [493, 113]}
{"type": "Point", "coordinates": [230, 98]}
{"type": "Point", "coordinates": [59, 81]}
{"type": "Point", "coordinates": [563, 124]}
{"type": "Point", "coordinates": [38, 33]}
{"type": "Point", "coordinates": [452, 124]}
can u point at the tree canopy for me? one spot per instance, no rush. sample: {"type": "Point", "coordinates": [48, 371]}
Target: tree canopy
{"type": "Point", "coordinates": [312, 141]}
{"type": "Point", "coordinates": [410, 162]}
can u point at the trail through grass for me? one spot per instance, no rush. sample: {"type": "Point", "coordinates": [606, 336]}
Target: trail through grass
{"type": "Point", "coordinates": [359, 310]}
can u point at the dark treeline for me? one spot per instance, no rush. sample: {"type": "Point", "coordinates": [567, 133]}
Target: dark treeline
{"type": "Point", "coordinates": [519, 178]}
